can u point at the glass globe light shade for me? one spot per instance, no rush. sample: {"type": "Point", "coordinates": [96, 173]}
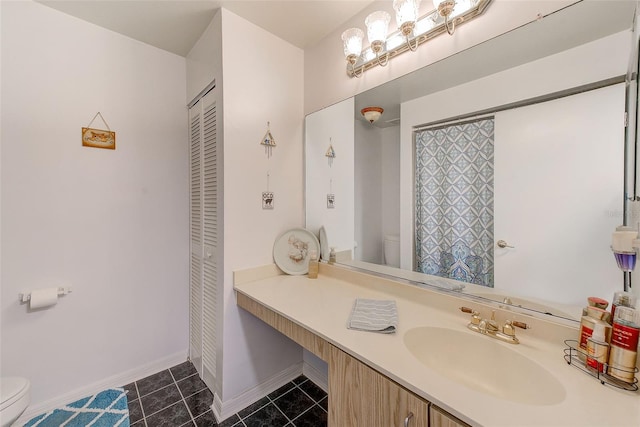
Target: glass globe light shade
{"type": "Point", "coordinates": [372, 113]}
{"type": "Point", "coordinates": [406, 11]}
{"type": "Point", "coordinates": [377, 26]}
{"type": "Point", "coordinates": [352, 39]}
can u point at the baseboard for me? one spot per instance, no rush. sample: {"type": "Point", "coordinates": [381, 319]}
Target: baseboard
{"type": "Point", "coordinates": [223, 410]}
{"type": "Point", "coordinates": [113, 381]}
{"type": "Point", "coordinates": [316, 376]}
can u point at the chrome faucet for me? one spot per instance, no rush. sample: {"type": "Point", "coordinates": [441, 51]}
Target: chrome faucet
{"type": "Point", "coordinates": [490, 327]}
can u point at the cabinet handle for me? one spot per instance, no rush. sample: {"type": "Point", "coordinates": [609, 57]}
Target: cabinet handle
{"type": "Point", "coordinates": [406, 420]}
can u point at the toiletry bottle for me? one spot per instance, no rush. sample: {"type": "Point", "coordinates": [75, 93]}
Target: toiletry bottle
{"type": "Point", "coordinates": [313, 264]}
{"type": "Point", "coordinates": [597, 348]}
{"type": "Point", "coordinates": [624, 299]}
{"type": "Point", "coordinates": [597, 302]}
{"type": "Point", "coordinates": [332, 256]}
{"type": "Point", "coordinates": [624, 344]}
{"type": "Point", "coordinates": [593, 316]}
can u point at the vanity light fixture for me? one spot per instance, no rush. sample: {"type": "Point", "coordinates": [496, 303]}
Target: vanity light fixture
{"type": "Point", "coordinates": [406, 17]}
{"type": "Point", "coordinates": [372, 113]}
{"type": "Point", "coordinates": [352, 41]}
{"type": "Point", "coordinates": [445, 8]}
{"type": "Point", "coordinates": [377, 28]}
{"type": "Point", "coordinates": [413, 30]}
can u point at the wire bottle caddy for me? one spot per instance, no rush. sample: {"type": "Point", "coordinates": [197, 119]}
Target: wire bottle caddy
{"type": "Point", "coordinates": [575, 356]}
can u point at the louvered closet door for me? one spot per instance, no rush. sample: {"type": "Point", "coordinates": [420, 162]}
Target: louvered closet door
{"type": "Point", "coordinates": [204, 236]}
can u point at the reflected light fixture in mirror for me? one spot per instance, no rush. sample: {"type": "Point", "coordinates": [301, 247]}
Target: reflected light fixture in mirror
{"type": "Point", "coordinates": [412, 31]}
{"type": "Point", "coordinates": [377, 28]}
{"type": "Point", "coordinates": [372, 113]}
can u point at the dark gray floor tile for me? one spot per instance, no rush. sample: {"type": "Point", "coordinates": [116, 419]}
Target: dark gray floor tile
{"type": "Point", "coordinates": [139, 424]}
{"type": "Point", "coordinates": [253, 407]}
{"type": "Point", "coordinates": [324, 403]}
{"type": "Point", "coordinates": [300, 380]}
{"type": "Point", "coordinates": [314, 417]}
{"type": "Point", "coordinates": [174, 415]}
{"type": "Point", "coordinates": [132, 391]}
{"type": "Point", "coordinates": [135, 411]}
{"type": "Point", "coordinates": [200, 402]}
{"type": "Point", "coordinates": [313, 390]}
{"type": "Point", "coordinates": [206, 420]}
{"type": "Point", "coordinates": [160, 399]}
{"type": "Point", "coordinates": [191, 385]}
{"type": "Point", "coordinates": [154, 382]}
{"type": "Point", "coordinates": [269, 416]}
{"type": "Point", "coordinates": [231, 421]}
{"type": "Point", "coordinates": [294, 403]}
{"type": "Point", "coordinates": [189, 424]}
{"type": "Point", "coordinates": [282, 390]}
{"type": "Point", "coordinates": [183, 370]}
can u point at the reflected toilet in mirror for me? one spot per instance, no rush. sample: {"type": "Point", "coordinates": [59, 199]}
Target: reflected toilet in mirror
{"type": "Point", "coordinates": [392, 250]}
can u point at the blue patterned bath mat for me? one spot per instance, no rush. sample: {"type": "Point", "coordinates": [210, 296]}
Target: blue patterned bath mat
{"type": "Point", "coordinates": [105, 409]}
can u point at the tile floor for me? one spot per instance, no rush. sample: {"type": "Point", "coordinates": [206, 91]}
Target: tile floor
{"type": "Point", "coordinates": [177, 397]}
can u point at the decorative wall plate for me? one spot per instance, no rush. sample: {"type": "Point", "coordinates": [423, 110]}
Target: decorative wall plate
{"type": "Point", "coordinates": [291, 250]}
{"type": "Point", "coordinates": [324, 244]}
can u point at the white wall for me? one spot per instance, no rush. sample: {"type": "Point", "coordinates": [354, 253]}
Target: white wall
{"type": "Point", "coordinates": [204, 61]}
{"type": "Point", "coordinates": [325, 61]}
{"type": "Point", "coordinates": [335, 122]}
{"type": "Point", "coordinates": [112, 224]}
{"type": "Point", "coordinates": [377, 179]}
{"type": "Point", "coordinates": [390, 180]}
{"type": "Point", "coordinates": [595, 61]}
{"type": "Point", "coordinates": [368, 192]}
{"type": "Point", "coordinates": [263, 82]}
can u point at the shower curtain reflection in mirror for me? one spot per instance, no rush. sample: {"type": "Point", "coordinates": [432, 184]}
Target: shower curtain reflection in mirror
{"type": "Point", "coordinates": [454, 176]}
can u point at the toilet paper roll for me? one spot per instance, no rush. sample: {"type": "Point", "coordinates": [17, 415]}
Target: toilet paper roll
{"type": "Point", "coordinates": [41, 298]}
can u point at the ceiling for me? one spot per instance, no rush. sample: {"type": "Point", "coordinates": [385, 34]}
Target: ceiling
{"type": "Point", "coordinates": [176, 25]}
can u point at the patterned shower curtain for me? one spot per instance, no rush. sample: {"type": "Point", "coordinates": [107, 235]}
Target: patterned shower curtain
{"type": "Point", "coordinates": [454, 201]}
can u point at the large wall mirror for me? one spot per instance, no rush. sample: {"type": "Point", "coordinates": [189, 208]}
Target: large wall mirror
{"type": "Point", "coordinates": [547, 101]}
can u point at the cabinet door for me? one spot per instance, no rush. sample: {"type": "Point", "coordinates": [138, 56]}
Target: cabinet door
{"type": "Point", "coordinates": [441, 418]}
{"type": "Point", "coordinates": [361, 397]}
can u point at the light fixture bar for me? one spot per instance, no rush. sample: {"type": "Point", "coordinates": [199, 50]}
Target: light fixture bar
{"type": "Point", "coordinates": [368, 60]}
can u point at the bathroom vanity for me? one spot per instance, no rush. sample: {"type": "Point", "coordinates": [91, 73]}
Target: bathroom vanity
{"type": "Point", "coordinates": [452, 377]}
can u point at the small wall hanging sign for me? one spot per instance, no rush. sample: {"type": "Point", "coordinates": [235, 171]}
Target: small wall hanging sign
{"type": "Point", "coordinates": [98, 138]}
{"type": "Point", "coordinates": [331, 153]}
{"type": "Point", "coordinates": [268, 141]}
{"type": "Point", "coordinates": [267, 200]}
{"type": "Point", "coordinates": [267, 196]}
{"type": "Point", "coordinates": [331, 201]}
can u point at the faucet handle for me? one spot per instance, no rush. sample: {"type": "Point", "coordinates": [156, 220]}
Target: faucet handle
{"type": "Point", "coordinates": [508, 329]}
{"type": "Point", "coordinates": [521, 325]}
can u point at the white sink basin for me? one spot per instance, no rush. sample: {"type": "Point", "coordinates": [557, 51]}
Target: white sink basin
{"type": "Point", "coordinates": [484, 364]}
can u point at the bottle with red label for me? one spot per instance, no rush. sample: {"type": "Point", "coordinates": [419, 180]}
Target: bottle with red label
{"type": "Point", "coordinates": [624, 344]}
{"type": "Point", "coordinates": [593, 316]}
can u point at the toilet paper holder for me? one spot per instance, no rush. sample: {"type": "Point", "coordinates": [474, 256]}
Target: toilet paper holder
{"type": "Point", "coordinates": [62, 290]}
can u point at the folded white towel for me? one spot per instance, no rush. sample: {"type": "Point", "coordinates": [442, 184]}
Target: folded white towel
{"type": "Point", "coordinates": [374, 316]}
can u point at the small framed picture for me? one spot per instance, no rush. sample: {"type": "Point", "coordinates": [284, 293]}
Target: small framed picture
{"type": "Point", "coordinates": [98, 138]}
{"type": "Point", "coordinates": [331, 201]}
{"type": "Point", "coordinates": [267, 200]}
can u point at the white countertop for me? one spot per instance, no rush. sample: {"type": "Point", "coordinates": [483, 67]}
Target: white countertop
{"type": "Point", "coordinates": [322, 306]}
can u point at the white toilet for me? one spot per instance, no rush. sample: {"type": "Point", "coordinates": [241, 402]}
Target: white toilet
{"type": "Point", "coordinates": [14, 392]}
{"type": "Point", "coordinates": [392, 250]}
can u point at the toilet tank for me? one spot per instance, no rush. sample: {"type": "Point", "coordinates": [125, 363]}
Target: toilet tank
{"type": "Point", "coordinates": [392, 250]}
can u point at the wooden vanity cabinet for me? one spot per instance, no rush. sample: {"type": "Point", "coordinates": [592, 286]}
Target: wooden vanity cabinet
{"type": "Point", "coordinates": [361, 397]}
{"type": "Point", "coordinates": [440, 418]}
